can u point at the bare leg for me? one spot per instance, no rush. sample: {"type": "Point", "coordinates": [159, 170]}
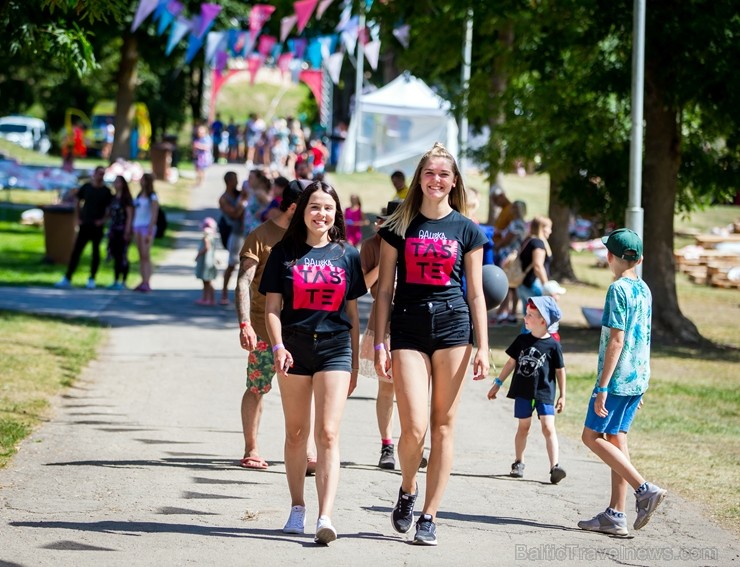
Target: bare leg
{"type": "Point", "coordinates": [611, 454]}
{"type": "Point", "coordinates": [449, 367]}
{"type": "Point", "coordinates": [251, 411]}
{"type": "Point", "coordinates": [618, 500]}
{"type": "Point", "coordinates": [551, 438]}
{"type": "Point", "coordinates": [296, 398]}
{"type": "Point", "coordinates": [330, 390]}
{"type": "Point", "coordinates": [384, 409]}
{"type": "Point", "coordinates": [520, 439]}
{"type": "Point", "coordinates": [411, 371]}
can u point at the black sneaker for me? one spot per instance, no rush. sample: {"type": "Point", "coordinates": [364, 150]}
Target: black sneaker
{"type": "Point", "coordinates": [402, 516]}
{"type": "Point", "coordinates": [387, 460]}
{"type": "Point", "coordinates": [517, 469]}
{"type": "Point", "coordinates": [426, 531]}
{"type": "Point", "coordinates": [556, 474]}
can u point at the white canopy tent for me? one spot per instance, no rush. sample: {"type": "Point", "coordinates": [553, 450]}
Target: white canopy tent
{"type": "Point", "coordinates": [400, 122]}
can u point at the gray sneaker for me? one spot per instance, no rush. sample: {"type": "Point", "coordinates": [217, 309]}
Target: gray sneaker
{"type": "Point", "coordinates": [517, 469]}
{"type": "Point", "coordinates": [387, 459]}
{"type": "Point", "coordinates": [426, 531]}
{"type": "Point", "coordinates": [647, 502]}
{"type": "Point", "coordinates": [606, 524]}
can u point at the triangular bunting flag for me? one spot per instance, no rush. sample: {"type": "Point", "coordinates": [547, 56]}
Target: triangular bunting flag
{"type": "Point", "coordinates": [208, 13]}
{"type": "Point", "coordinates": [323, 5]}
{"type": "Point", "coordinates": [214, 42]}
{"type": "Point", "coordinates": [345, 18]}
{"type": "Point", "coordinates": [297, 47]}
{"type": "Point", "coordinates": [265, 45]}
{"type": "Point", "coordinates": [159, 10]}
{"type": "Point", "coordinates": [283, 62]}
{"type": "Point", "coordinates": [334, 66]}
{"type": "Point", "coordinates": [177, 32]}
{"type": "Point", "coordinates": [173, 9]}
{"type": "Point", "coordinates": [258, 15]}
{"type": "Point", "coordinates": [222, 57]}
{"type": "Point", "coordinates": [372, 53]}
{"type": "Point", "coordinates": [145, 8]}
{"type": "Point", "coordinates": [349, 39]}
{"type": "Point", "coordinates": [402, 34]}
{"type": "Point", "coordinates": [254, 62]}
{"type": "Point", "coordinates": [303, 11]}
{"type": "Point", "coordinates": [286, 24]}
{"type": "Point", "coordinates": [194, 45]}
{"type": "Point", "coordinates": [313, 53]}
{"type": "Point", "coordinates": [249, 40]}
{"type": "Point", "coordinates": [328, 43]}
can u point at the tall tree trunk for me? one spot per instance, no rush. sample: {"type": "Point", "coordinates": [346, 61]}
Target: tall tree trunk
{"type": "Point", "coordinates": [559, 213]}
{"type": "Point", "coordinates": [196, 91]}
{"type": "Point", "coordinates": [127, 76]}
{"type": "Point", "coordinates": [660, 182]}
{"type": "Point", "coordinates": [499, 82]}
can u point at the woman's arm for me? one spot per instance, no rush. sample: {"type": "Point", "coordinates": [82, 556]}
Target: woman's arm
{"type": "Point", "coordinates": [477, 304]}
{"type": "Point", "coordinates": [273, 307]}
{"type": "Point", "coordinates": [354, 333]}
{"type": "Point", "coordinates": [386, 281]}
{"type": "Point", "coordinates": [538, 264]}
{"type": "Point", "coordinates": [129, 223]}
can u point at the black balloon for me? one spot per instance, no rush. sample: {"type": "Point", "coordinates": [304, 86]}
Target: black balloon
{"type": "Point", "coordinates": [495, 285]}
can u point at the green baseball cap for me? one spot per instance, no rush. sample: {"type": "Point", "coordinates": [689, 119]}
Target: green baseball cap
{"type": "Point", "coordinates": [624, 243]}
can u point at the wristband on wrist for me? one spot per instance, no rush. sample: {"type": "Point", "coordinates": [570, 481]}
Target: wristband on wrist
{"type": "Point", "coordinates": [243, 324]}
{"type": "Point", "coordinates": [600, 390]}
{"type": "Point", "coordinates": [498, 382]}
{"type": "Point", "coordinates": [278, 347]}
{"type": "Point", "coordinates": [355, 370]}
{"type": "Point", "coordinates": [381, 346]}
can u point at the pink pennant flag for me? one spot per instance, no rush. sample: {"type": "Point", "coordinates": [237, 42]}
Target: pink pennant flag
{"type": "Point", "coordinates": [208, 13]}
{"type": "Point", "coordinates": [254, 62]}
{"type": "Point", "coordinates": [323, 5]}
{"type": "Point", "coordinates": [146, 7]}
{"type": "Point", "coordinates": [334, 66]}
{"type": "Point", "coordinates": [283, 62]}
{"type": "Point", "coordinates": [364, 35]}
{"type": "Point", "coordinates": [258, 15]}
{"type": "Point", "coordinates": [265, 45]}
{"type": "Point", "coordinates": [286, 24]}
{"type": "Point", "coordinates": [303, 11]}
{"type": "Point", "coordinates": [402, 34]}
{"type": "Point", "coordinates": [372, 53]}
{"type": "Point", "coordinates": [313, 78]}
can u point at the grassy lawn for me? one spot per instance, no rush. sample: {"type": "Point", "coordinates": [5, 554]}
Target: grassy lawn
{"type": "Point", "coordinates": [41, 356]}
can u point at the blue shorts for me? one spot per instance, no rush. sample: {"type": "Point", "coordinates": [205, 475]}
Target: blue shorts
{"type": "Point", "coordinates": [621, 413]}
{"type": "Point", "coordinates": [523, 408]}
{"type": "Point", "coordinates": [318, 352]}
{"type": "Point", "coordinates": [431, 326]}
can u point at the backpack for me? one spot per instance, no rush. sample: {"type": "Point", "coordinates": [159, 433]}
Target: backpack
{"type": "Point", "coordinates": [161, 223]}
{"type": "Point", "coordinates": [512, 267]}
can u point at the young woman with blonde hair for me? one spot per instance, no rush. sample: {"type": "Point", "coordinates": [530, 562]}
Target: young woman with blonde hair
{"type": "Point", "coordinates": [429, 245]}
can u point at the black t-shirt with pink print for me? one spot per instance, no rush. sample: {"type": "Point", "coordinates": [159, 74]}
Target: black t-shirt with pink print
{"type": "Point", "coordinates": [430, 264]}
{"type": "Point", "coordinates": [315, 285]}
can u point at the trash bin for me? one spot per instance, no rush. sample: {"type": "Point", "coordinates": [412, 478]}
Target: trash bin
{"type": "Point", "coordinates": [161, 155]}
{"type": "Point", "coordinates": [60, 228]}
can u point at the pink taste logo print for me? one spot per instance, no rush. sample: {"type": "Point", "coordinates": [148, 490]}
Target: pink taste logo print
{"type": "Point", "coordinates": [318, 285]}
{"type": "Point", "coordinates": [430, 258]}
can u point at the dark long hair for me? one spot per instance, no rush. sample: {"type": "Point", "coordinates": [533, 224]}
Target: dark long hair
{"type": "Point", "coordinates": [126, 198]}
{"type": "Point", "coordinates": [297, 234]}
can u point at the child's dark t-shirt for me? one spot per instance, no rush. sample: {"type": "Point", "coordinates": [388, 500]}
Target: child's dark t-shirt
{"type": "Point", "coordinates": [534, 371]}
{"type": "Point", "coordinates": [315, 286]}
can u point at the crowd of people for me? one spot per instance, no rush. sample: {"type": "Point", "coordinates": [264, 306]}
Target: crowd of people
{"type": "Point", "coordinates": [299, 277]}
{"type": "Point", "coordinates": [275, 147]}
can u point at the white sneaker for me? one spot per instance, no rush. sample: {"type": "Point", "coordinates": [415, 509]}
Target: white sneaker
{"type": "Point", "coordinates": [325, 532]}
{"type": "Point", "coordinates": [64, 283]}
{"type": "Point", "coordinates": [90, 284]}
{"type": "Point", "coordinates": [296, 523]}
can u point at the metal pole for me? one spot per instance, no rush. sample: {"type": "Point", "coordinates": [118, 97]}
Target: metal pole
{"type": "Point", "coordinates": [360, 69]}
{"type": "Point", "coordinates": [635, 213]}
{"type": "Point", "coordinates": [467, 54]}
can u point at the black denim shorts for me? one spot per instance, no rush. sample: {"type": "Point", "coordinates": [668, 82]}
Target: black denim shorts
{"type": "Point", "coordinates": [317, 352]}
{"type": "Point", "coordinates": [431, 326]}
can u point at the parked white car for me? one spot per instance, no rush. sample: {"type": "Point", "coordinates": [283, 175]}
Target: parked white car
{"type": "Point", "coordinates": [27, 132]}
